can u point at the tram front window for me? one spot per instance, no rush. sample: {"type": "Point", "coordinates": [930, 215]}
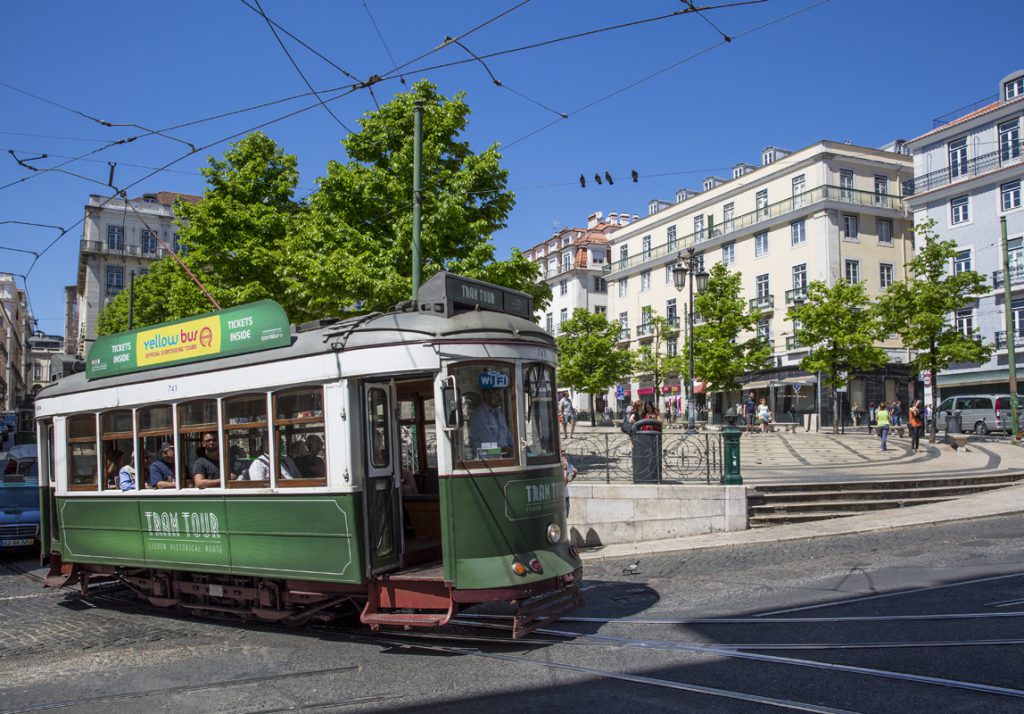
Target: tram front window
{"type": "Point", "coordinates": [488, 403]}
{"type": "Point", "coordinates": [541, 419]}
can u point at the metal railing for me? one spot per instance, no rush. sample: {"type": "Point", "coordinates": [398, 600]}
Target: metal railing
{"type": "Point", "coordinates": [1016, 276]}
{"type": "Point", "coordinates": [761, 215]}
{"type": "Point", "coordinates": [1018, 339]}
{"type": "Point", "coordinates": [792, 343]}
{"type": "Point", "coordinates": [103, 248]}
{"type": "Point", "coordinates": [763, 302]}
{"type": "Point", "coordinates": [792, 295]}
{"type": "Point", "coordinates": [623, 334]}
{"type": "Point", "coordinates": [961, 171]}
{"type": "Point", "coordinates": [685, 457]}
{"type": "Point", "coordinates": [645, 330]}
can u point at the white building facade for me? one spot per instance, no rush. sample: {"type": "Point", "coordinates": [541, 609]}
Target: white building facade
{"type": "Point", "coordinates": [117, 240]}
{"type": "Point", "coordinates": [828, 212]}
{"type": "Point", "coordinates": [967, 176]}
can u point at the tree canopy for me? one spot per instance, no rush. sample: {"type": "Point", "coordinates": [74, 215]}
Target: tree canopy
{"type": "Point", "coordinates": [652, 360]}
{"type": "Point", "coordinates": [588, 360]}
{"type": "Point", "coordinates": [348, 247]}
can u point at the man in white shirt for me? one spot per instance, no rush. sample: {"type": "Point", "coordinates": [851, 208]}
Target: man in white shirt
{"type": "Point", "coordinates": [488, 425]}
{"type": "Point", "coordinates": [259, 470]}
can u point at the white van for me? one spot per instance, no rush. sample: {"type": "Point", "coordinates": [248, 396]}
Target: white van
{"type": "Point", "coordinates": [980, 413]}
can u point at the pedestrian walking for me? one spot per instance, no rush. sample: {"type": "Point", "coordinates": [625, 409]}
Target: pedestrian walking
{"type": "Point", "coordinates": [896, 413]}
{"type": "Point", "coordinates": [569, 474]}
{"type": "Point", "coordinates": [764, 415]}
{"type": "Point", "coordinates": [750, 408]}
{"type": "Point", "coordinates": [916, 418]}
{"type": "Point", "coordinates": [871, 417]}
{"type": "Point", "coordinates": [882, 420]}
{"type": "Point", "coordinates": [568, 414]}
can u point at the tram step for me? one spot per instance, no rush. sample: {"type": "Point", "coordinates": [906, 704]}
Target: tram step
{"type": "Point", "coordinates": [545, 609]}
{"type": "Point", "coordinates": [411, 619]}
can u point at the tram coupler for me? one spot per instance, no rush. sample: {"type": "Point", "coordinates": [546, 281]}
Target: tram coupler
{"type": "Point", "coordinates": [545, 609]}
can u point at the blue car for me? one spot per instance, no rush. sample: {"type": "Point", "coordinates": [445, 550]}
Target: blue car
{"type": "Point", "coordinates": [19, 514]}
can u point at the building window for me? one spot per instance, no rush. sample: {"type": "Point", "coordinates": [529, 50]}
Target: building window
{"type": "Point", "coordinates": [761, 200]}
{"type": "Point", "coordinates": [1013, 88]}
{"type": "Point", "coordinates": [1009, 195]}
{"type": "Point", "coordinates": [600, 285]}
{"type": "Point", "coordinates": [623, 287]}
{"type": "Point", "coordinates": [698, 228]}
{"type": "Point", "coordinates": [845, 185]}
{"type": "Point", "coordinates": [645, 281]}
{"type": "Point", "coordinates": [799, 186]}
{"type": "Point", "coordinates": [797, 233]}
{"type": "Point", "coordinates": [1009, 140]}
{"type": "Point", "coordinates": [728, 254]}
{"type": "Point", "coordinates": [1017, 319]}
{"type": "Point", "coordinates": [550, 323]}
{"type": "Point", "coordinates": [671, 238]}
{"type": "Point", "coordinates": [850, 228]}
{"type": "Point", "coordinates": [672, 346]}
{"type": "Point", "coordinates": [800, 276]}
{"type": "Point", "coordinates": [961, 261]}
{"type": "Point", "coordinates": [115, 238]}
{"type": "Point", "coordinates": [881, 190]}
{"type": "Point", "coordinates": [600, 309]}
{"type": "Point", "coordinates": [645, 246]}
{"type": "Point", "coordinates": [958, 158]}
{"type": "Point", "coordinates": [885, 275]}
{"type": "Point", "coordinates": [884, 231]}
{"type": "Point", "coordinates": [670, 312]}
{"type": "Point", "coordinates": [853, 271]}
{"type": "Point", "coordinates": [959, 210]}
{"type": "Point", "coordinates": [668, 274]}
{"type": "Point", "coordinates": [623, 254]}
{"type": "Point", "coordinates": [623, 325]}
{"type": "Point", "coordinates": [563, 287]}
{"type": "Point", "coordinates": [761, 244]}
{"type": "Point", "coordinates": [965, 321]}
{"type": "Point", "coordinates": [115, 279]}
{"type": "Point", "coordinates": [148, 241]}
{"type": "Point", "coordinates": [761, 287]}
{"type": "Point", "coordinates": [728, 215]}
{"type": "Point", "coordinates": [764, 329]}
{"type": "Point", "coordinates": [563, 315]}
{"type": "Point", "coordinates": [566, 261]}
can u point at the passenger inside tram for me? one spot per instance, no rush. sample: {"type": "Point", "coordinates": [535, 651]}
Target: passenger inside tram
{"type": "Point", "coordinates": [489, 433]}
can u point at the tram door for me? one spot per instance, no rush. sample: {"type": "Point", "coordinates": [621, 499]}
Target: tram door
{"type": "Point", "coordinates": [383, 510]}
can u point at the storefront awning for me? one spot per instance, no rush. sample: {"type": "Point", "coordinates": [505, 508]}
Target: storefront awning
{"type": "Point", "coordinates": [699, 386]}
{"type": "Point", "coordinates": [808, 380]}
{"type": "Point", "coordinates": [756, 385]}
{"type": "Point", "coordinates": [642, 391]}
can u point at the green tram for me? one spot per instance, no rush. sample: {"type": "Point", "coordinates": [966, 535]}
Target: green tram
{"type": "Point", "coordinates": [405, 463]}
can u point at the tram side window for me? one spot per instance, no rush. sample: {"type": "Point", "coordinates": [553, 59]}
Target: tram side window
{"type": "Point", "coordinates": [116, 442]}
{"type": "Point", "coordinates": [82, 467]}
{"type": "Point", "coordinates": [155, 430]}
{"type": "Point", "coordinates": [197, 423]}
{"type": "Point", "coordinates": [487, 391]}
{"type": "Point", "coordinates": [299, 429]}
{"type": "Point", "coordinates": [541, 419]}
{"type": "Point", "coordinates": [245, 435]}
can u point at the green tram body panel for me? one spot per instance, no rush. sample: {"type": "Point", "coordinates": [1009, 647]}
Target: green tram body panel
{"type": "Point", "coordinates": [486, 517]}
{"type": "Point", "coordinates": [301, 537]}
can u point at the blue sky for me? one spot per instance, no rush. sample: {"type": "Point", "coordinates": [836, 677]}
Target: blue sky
{"type": "Point", "coordinates": [865, 71]}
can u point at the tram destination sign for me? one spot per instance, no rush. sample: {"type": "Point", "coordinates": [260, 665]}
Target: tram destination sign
{"type": "Point", "coordinates": [449, 294]}
{"type": "Point", "coordinates": [253, 327]}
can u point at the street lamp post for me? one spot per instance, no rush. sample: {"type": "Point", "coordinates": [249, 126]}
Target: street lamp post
{"type": "Point", "coordinates": [695, 268]}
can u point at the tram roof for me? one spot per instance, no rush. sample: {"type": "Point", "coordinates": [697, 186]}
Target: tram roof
{"type": "Point", "coordinates": [365, 331]}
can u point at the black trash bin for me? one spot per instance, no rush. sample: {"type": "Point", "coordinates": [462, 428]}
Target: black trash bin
{"type": "Point", "coordinates": [646, 438]}
{"type": "Point", "coordinates": [954, 423]}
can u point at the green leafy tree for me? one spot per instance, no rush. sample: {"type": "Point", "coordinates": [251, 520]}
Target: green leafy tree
{"type": "Point", "coordinates": [922, 309]}
{"type": "Point", "coordinates": [150, 304]}
{"type": "Point", "coordinates": [720, 356]}
{"type": "Point", "coordinates": [652, 360]}
{"type": "Point", "coordinates": [360, 228]}
{"type": "Point", "coordinates": [839, 326]}
{"type": "Point", "coordinates": [588, 360]}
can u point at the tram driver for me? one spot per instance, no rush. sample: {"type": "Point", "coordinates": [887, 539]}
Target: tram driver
{"type": "Point", "coordinates": [489, 434]}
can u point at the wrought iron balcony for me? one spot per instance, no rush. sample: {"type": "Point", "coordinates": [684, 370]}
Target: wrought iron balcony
{"type": "Point", "coordinates": [763, 302]}
{"type": "Point", "coordinates": [623, 334]}
{"type": "Point", "coordinates": [766, 214]}
{"type": "Point", "coordinates": [792, 343]}
{"type": "Point", "coordinates": [673, 322]}
{"type": "Point", "coordinates": [792, 295]}
{"type": "Point", "coordinates": [104, 248]}
{"type": "Point", "coordinates": [963, 170]}
{"type": "Point", "coordinates": [645, 330]}
{"type": "Point", "coordinates": [1016, 276]}
{"type": "Point", "coordinates": [1018, 340]}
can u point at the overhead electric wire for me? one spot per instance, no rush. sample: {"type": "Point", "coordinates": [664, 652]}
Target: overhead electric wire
{"type": "Point", "coordinates": [51, 136]}
{"type": "Point", "coordinates": [387, 49]}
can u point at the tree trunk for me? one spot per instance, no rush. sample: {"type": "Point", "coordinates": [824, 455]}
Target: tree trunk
{"type": "Point", "coordinates": [593, 412]}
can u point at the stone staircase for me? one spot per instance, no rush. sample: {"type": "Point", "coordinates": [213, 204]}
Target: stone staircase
{"type": "Point", "coordinates": [769, 505]}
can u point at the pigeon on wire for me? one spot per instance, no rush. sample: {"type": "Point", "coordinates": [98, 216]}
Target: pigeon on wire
{"type": "Point", "coordinates": [631, 568]}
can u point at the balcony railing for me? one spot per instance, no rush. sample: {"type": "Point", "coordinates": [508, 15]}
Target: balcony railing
{"type": "Point", "coordinates": [963, 171]}
{"type": "Point", "coordinates": [760, 215]}
{"type": "Point", "coordinates": [673, 322]}
{"type": "Point", "coordinates": [792, 295]}
{"type": "Point", "coordinates": [101, 247]}
{"type": "Point", "coordinates": [763, 302]}
{"type": "Point", "coordinates": [1018, 340]}
{"type": "Point", "coordinates": [792, 343]}
{"type": "Point", "coordinates": [623, 334]}
{"type": "Point", "coordinates": [1016, 276]}
{"type": "Point", "coordinates": [645, 330]}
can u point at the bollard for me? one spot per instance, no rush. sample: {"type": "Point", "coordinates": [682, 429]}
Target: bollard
{"type": "Point", "coordinates": [731, 436]}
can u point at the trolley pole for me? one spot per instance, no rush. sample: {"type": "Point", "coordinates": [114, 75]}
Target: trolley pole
{"type": "Point", "coordinates": [1011, 333]}
{"type": "Point", "coordinates": [417, 198]}
{"type": "Point", "coordinates": [131, 297]}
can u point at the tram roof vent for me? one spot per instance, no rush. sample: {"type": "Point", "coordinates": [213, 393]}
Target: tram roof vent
{"type": "Point", "coordinates": [317, 324]}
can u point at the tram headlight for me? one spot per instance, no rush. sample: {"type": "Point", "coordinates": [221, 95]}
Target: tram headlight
{"type": "Point", "coordinates": [554, 533]}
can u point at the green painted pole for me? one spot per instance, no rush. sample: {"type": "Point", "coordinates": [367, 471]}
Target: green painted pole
{"type": "Point", "coordinates": [1011, 333]}
{"type": "Point", "coordinates": [131, 298]}
{"type": "Point", "coordinates": [417, 198]}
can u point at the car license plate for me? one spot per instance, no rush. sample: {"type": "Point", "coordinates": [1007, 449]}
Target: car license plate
{"type": "Point", "coordinates": [15, 542]}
